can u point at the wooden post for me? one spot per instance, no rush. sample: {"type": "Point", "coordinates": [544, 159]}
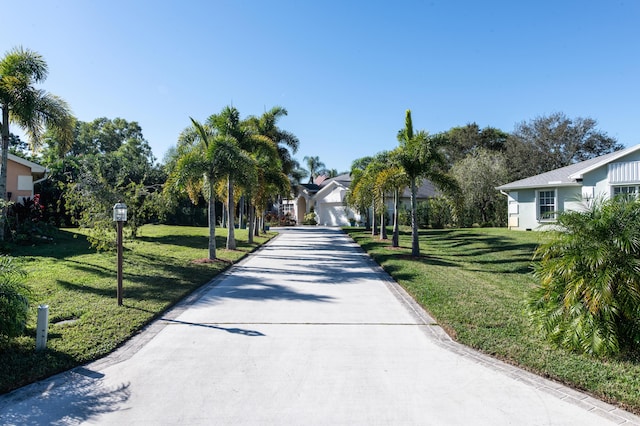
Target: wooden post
{"type": "Point", "coordinates": [119, 244]}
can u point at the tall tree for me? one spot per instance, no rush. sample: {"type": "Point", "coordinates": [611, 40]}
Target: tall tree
{"type": "Point", "coordinates": [393, 178]}
{"type": "Point", "coordinates": [421, 156]}
{"type": "Point", "coordinates": [314, 166]}
{"type": "Point", "coordinates": [360, 194]}
{"type": "Point", "coordinates": [31, 108]}
{"type": "Point", "coordinates": [241, 165]}
{"type": "Point", "coordinates": [464, 140]}
{"type": "Point", "coordinates": [98, 180]}
{"type": "Point", "coordinates": [287, 144]}
{"type": "Point", "coordinates": [200, 163]}
{"type": "Point", "coordinates": [550, 142]}
{"type": "Point", "coordinates": [478, 174]}
{"type": "Point", "coordinates": [372, 176]}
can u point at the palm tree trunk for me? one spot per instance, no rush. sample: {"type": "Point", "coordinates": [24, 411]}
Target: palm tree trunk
{"type": "Point", "coordinates": [383, 223]}
{"type": "Point", "coordinates": [415, 244]}
{"type": "Point", "coordinates": [257, 214]}
{"type": "Point", "coordinates": [212, 222]}
{"type": "Point", "coordinates": [250, 224]}
{"type": "Point", "coordinates": [3, 172]}
{"type": "Point", "coordinates": [374, 230]}
{"type": "Point", "coordinates": [396, 229]}
{"type": "Point", "coordinates": [231, 236]}
{"type": "Point", "coordinates": [225, 213]}
{"type": "Point", "coordinates": [240, 212]}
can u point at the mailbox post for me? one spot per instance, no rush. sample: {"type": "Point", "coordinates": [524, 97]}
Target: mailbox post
{"type": "Point", "coordinates": [119, 216]}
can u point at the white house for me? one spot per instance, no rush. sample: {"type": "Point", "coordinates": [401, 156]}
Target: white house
{"type": "Point", "coordinates": [536, 200]}
{"type": "Point", "coordinates": [327, 197]}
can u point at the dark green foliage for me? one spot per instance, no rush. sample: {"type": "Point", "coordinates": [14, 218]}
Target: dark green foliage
{"type": "Point", "coordinates": [466, 140]}
{"type": "Point", "coordinates": [550, 142]}
{"type": "Point", "coordinates": [26, 224]}
{"type": "Point", "coordinates": [116, 165]}
{"type": "Point", "coordinates": [440, 212]}
{"type": "Point", "coordinates": [14, 302]}
{"type": "Point", "coordinates": [588, 299]}
{"type": "Point", "coordinates": [433, 213]}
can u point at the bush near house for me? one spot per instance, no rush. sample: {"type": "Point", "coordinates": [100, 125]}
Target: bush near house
{"type": "Point", "coordinates": [310, 219]}
{"type": "Point", "coordinates": [588, 299]}
{"type": "Point", "coordinates": [14, 301]}
{"type": "Point", "coordinates": [26, 222]}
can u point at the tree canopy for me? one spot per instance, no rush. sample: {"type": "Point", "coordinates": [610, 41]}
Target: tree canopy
{"type": "Point", "coordinates": [553, 141]}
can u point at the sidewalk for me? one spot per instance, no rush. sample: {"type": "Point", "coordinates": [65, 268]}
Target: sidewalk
{"type": "Point", "coordinates": [305, 331]}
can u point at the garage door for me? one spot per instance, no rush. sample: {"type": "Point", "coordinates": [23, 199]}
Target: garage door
{"type": "Point", "coordinates": [332, 214]}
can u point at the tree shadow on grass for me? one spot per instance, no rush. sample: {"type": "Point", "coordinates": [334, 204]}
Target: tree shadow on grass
{"type": "Point", "coordinates": [193, 241]}
{"type": "Point", "coordinates": [65, 244]}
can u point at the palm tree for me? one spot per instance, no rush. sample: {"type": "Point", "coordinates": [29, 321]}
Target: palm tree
{"type": "Point", "coordinates": [200, 164]}
{"type": "Point", "coordinates": [242, 166]}
{"type": "Point", "coordinates": [362, 190]}
{"type": "Point", "coordinates": [31, 108]}
{"type": "Point", "coordinates": [421, 157]}
{"type": "Point", "coordinates": [287, 144]}
{"type": "Point", "coordinates": [393, 179]}
{"type": "Point", "coordinates": [359, 196]}
{"type": "Point", "coordinates": [588, 298]}
{"type": "Point", "coordinates": [315, 166]}
{"type": "Point", "coordinates": [227, 123]}
{"type": "Point", "coordinates": [373, 170]}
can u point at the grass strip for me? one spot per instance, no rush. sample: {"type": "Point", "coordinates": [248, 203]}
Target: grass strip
{"type": "Point", "coordinates": [79, 285]}
{"type": "Point", "coordinates": [474, 282]}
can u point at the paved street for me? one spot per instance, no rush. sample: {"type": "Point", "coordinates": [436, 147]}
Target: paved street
{"type": "Point", "coordinates": [305, 331]}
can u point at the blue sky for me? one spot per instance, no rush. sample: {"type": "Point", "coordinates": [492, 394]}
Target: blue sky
{"type": "Point", "coordinates": [345, 70]}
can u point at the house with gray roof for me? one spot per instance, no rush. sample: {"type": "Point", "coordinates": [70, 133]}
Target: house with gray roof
{"type": "Point", "coordinates": [536, 201]}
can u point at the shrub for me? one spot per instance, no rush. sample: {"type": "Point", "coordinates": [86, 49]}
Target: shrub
{"type": "Point", "coordinates": [440, 214]}
{"type": "Point", "coordinates": [588, 299]}
{"type": "Point", "coordinates": [26, 222]}
{"type": "Point", "coordinates": [310, 219]}
{"type": "Point", "coordinates": [14, 302]}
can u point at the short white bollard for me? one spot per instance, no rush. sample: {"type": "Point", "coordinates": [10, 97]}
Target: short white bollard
{"type": "Point", "coordinates": [42, 327]}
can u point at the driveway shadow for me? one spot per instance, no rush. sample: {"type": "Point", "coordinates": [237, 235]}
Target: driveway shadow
{"type": "Point", "coordinates": [71, 398]}
{"type": "Point", "coordinates": [242, 331]}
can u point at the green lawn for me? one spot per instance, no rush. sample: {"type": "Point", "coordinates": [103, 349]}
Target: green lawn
{"type": "Point", "coordinates": [473, 282]}
{"type": "Point", "coordinates": [79, 285]}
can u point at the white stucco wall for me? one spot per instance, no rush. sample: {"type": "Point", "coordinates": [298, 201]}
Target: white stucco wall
{"type": "Point", "coordinates": [330, 207]}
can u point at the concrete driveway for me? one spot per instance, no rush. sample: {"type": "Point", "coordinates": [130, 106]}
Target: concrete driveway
{"type": "Point", "coordinates": [305, 331]}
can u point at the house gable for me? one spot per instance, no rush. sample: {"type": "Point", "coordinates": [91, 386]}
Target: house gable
{"type": "Point", "coordinates": [334, 192]}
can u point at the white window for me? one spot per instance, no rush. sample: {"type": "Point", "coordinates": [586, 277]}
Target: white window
{"type": "Point", "coordinates": [547, 205]}
{"type": "Point", "coordinates": [629, 190]}
{"type": "Point", "coordinates": [287, 208]}
{"type": "Point", "coordinates": [25, 183]}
